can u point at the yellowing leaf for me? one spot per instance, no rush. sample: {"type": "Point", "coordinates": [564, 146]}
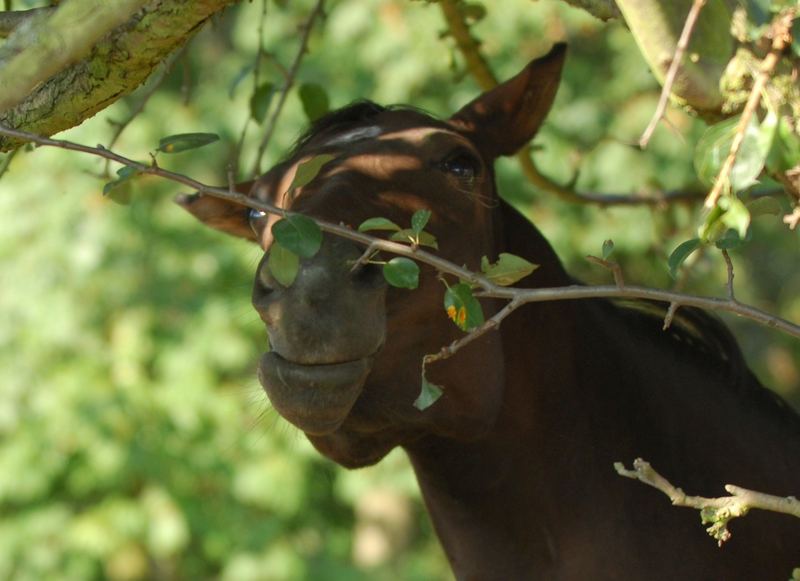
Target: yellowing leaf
{"type": "Point", "coordinates": [508, 269]}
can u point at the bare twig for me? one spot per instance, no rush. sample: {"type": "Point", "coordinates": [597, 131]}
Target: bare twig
{"type": "Point", "coordinates": [670, 315]}
{"type": "Point", "coordinates": [716, 512]}
{"type": "Point", "coordinates": [489, 290]}
{"type": "Point", "coordinates": [781, 36]}
{"type": "Point", "coordinates": [479, 68]}
{"type": "Point", "coordinates": [793, 219]}
{"type": "Point", "coordinates": [616, 271]}
{"type": "Point", "coordinates": [669, 79]}
{"type": "Point", "coordinates": [306, 28]}
{"type": "Point", "coordinates": [729, 268]}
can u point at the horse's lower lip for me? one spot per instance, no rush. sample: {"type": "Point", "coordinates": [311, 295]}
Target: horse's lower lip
{"type": "Point", "coordinates": [315, 398]}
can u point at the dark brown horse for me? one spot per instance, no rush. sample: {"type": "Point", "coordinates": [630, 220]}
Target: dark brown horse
{"type": "Point", "coordinates": [515, 461]}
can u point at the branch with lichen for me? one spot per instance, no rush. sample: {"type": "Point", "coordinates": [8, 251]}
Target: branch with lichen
{"type": "Point", "coordinates": [715, 512]}
{"type": "Point", "coordinates": [56, 71]}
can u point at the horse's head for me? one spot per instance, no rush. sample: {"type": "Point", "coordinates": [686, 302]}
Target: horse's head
{"type": "Point", "coordinates": [346, 349]}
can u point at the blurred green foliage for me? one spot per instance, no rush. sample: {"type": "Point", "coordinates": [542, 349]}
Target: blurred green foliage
{"type": "Point", "coordinates": [135, 442]}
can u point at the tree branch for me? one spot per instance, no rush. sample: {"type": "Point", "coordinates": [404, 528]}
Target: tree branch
{"type": "Point", "coordinates": [716, 512]}
{"type": "Point", "coordinates": [479, 68]}
{"type": "Point", "coordinates": [12, 20]}
{"type": "Point", "coordinates": [59, 73]}
{"type": "Point", "coordinates": [488, 289]}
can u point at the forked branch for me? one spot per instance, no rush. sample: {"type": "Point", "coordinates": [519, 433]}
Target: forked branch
{"type": "Point", "coordinates": [715, 512]}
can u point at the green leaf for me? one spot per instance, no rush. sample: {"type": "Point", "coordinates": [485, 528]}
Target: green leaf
{"type": "Point", "coordinates": [185, 142]}
{"type": "Point", "coordinates": [298, 233]}
{"type": "Point", "coordinates": [283, 264]}
{"type": "Point", "coordinates": [378, 224]}
{"type": "Point", "coordinates": [119, 190]}
{"type": "Point", "coordinates": [462, 307]}
{"type": "Point", "coordinates": [764, 206]}
{"type": "Point", "coordinates": [419, 220]}
{"type": "Point", "coordinates": [715, 145]}
{"type": "Point", "coordinates": [260, 101]}
{"type": "Point", "coordinates": [315, 100]}
{"type": "Point", "coordinates": [785, 152]}
{"type": "Point", "coordinates": [428, 395]}
{"type": "Point", "coordinates": [508, 269]}
{"type": "Point", "coordinates": [401, 272]}
{"type": "Point", "coordinates": [408, 235]}
{"type": "Point", "coordinates": [736, 215]}
{"type": "Point", "coordinates": [680, 254]}
{"type": "Point", "coordinates": [608, 248]}
{"type": "Point", "coordinates": [239, 77]}
{"type": "Point", "coordinates": [796, 37]}
{"type": "Point", "coordinates": [731, 240]}
{"type": "Point", "coordinates": [308, 170]}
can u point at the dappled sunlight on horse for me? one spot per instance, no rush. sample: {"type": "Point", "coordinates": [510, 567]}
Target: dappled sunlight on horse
{"type": "Point", "coordinates": [515, 461]}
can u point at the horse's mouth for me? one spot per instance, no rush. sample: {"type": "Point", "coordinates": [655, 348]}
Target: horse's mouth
{"type": "Point", "coordinates": [315, 398]}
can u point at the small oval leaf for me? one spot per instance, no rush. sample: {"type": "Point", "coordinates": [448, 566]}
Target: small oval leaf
{"type": "Point", "coordinates": [680, 254]}
{"type": "Point", "coordinates": [309, 169]}
{"type": "Point", "coordinates": [378, 224]}
{"type": "Point", "coordinates": [419, 220]}
{"type": "Point", "coordinates": [508, 269]}
{"type": "Point", "coordinates": [429, 393]}
{"type": "Point", "coordinates": [315, 100]}
{"type": "Point", "coordinates": [298, 233]}
{"type": "Point", "coordinates": [608, 248]}
{"type": "Point", "coordinates": [185, 142]}
{"type": "Point", "coordinates": [401, 272]}
{"type": "Point", "coordinates": [462, 307]}
{"type": "Point", "coordinates": [283, 264]}
{"type": "Point", "coordinates": [260, 101]}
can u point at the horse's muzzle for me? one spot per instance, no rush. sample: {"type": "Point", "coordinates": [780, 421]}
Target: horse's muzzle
{"type": "Point", "coordinates": [315, 398]}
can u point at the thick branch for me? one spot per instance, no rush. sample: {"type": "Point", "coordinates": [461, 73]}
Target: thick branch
{"type": "Point", "coordinates": [93, 68]}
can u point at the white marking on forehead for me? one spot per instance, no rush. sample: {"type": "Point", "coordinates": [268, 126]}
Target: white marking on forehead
{"type": "Point", "coordinates": [354, 135]}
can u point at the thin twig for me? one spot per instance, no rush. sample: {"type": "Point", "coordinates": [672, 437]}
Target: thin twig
{"type": "Point", "coordinates": [615, 269]}
{"type": "Point", "coordinates": [670, 315]}
{"type": "Point", "coordinates": [716, 512]}
{"type": "Point", "coordinates": [489, 289]}
{"type": "Point", "coordinates": [669, 80]}
{"type": "Point", "coordinates": [780, 38]}
{"type": "Point", "coordinates": [729, 268]}
{"type": "Point", "coordinates": [306, 28]}
{"type": "Point", "coordinates": [479, 68]}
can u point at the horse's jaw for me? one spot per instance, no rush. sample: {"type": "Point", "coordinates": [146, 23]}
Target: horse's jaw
{"type": "Point", "coordinates": [315, 398]}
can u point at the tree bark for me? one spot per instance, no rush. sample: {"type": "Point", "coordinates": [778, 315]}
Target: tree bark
{"type": "Point", "coordinates": [53, 79]}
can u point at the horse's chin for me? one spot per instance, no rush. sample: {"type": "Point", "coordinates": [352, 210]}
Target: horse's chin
{"type": "Point", "coordinates": [315, 398]}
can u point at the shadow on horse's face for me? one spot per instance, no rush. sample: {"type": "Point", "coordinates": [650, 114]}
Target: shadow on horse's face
{"type": "Point", "coordinates": [346, 349]}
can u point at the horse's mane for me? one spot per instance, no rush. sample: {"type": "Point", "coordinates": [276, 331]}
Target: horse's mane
{"type": "Point", "coordinates": [694, 333]}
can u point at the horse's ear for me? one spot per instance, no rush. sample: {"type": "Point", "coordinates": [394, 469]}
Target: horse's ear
{"type": "Point", "coordinates": [505, 118]}
{"type": "Point", "coordinates": [219, 214]}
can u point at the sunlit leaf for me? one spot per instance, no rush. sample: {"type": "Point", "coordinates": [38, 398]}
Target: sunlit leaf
{"type": "Point", "coordinates": [608, 248]}
{"type": "Point", "coordinates": [419, 220]}
{"type": "Point", "coordinates": [308, 170]}
{"type": "Point", "coordinates": [462, 307]}
{"type": "Point", "coordinates": [185, 141]}
{"type": "Point", "coordinates": [283, 264]}
{"type": "Point", "coordinates": [736, 215]}
{"type": "Point", "coordinates": [428, 395]}
{"type": "Point", "coordinates": [260, 101]}
{"type": "Point", "coordinates": [315, 100]}
{"type": "Point", "coordinates": [298, 233]}
{"type": "Point", "coordinates": [680, 254]}
{"type": "Point", "coordinates": [408, 235]}
{"type": "Point", "coordinates": [508, 269]}
{"type": "Point", "coordinates": [401, 272]}
{"type": "Point", "coordinates": [378, 224]}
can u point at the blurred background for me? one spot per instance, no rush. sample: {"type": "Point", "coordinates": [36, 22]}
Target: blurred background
{"type": "Point", "coordinates": [135, 441]}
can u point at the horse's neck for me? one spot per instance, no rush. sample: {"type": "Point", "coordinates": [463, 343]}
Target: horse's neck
{"type": "Point", "coordinates": [539, 492]}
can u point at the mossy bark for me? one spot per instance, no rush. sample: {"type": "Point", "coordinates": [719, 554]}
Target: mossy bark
{"type": "Point", "coordinates": [657, 24]}
{"type": "Point", "coordinates": [112, 67]}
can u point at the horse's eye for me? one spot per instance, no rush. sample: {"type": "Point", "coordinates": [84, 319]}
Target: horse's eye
{"type": "Point", "coordinates": [462, 165]}
{"type": "Point", "coordinates": [257, 219]}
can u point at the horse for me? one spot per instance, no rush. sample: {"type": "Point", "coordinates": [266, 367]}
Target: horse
{"type": "Point", "coordinates": [515, 460]}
